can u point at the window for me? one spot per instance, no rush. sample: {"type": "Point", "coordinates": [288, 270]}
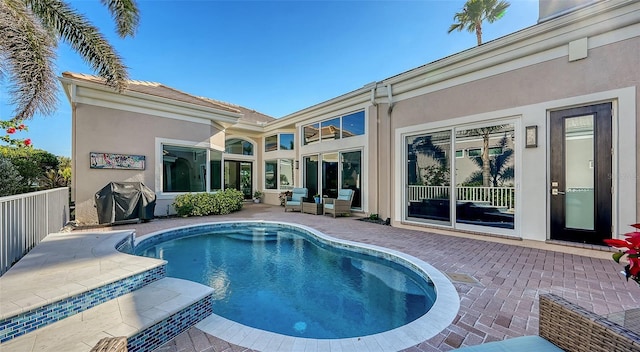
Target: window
{"type": "Point", "coordinates": [285, 142]}
{"type": "Point", "coordinates": [495, 151]}
{"type": "Point", "coordinates": [330, 129]}
{"type": "Point", "coordinates": [474, 152]}
{"type": "Point", "coordinates": [271, 143]}
{"type": "Point", "coordinates": [353, 124]}
{"type": "Point", "coordinates": [185, 169]}
{"type": "Point", "coordinates": [336, 128]}
{"type": "Point", "coordinates": [238, 146]}
{"type": "Point", "coordinates": [311, 133]}
{"type": "Point", "coordinates": [460, 153]}
{"type": "Point", "coordinates": [271, 174]}
{"type": "Point", "coordinates": [278, 174]}
{"type": "Point", "coordinates": [286, 173]}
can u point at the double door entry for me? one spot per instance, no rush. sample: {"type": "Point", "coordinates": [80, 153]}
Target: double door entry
{"type": "Point", "coordinates": [580, 174]}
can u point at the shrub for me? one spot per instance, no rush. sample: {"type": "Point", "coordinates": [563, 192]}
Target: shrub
{"type": "Point", "coordinates": [10, 179]}
{"type": "Point", "coordinates": [200, 204]}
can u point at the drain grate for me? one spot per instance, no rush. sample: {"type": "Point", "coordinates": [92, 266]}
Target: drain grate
{"type": "Point", "coordinates": [462, 278]}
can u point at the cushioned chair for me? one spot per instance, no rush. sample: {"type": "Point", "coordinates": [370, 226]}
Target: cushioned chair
{"type": "Point", "coordinates": [340, 205]}
{"type": "Point", "coordinates": [294, 203]}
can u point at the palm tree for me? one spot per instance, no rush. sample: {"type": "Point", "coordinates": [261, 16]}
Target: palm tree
{"type": "Point", "coordinates": [29, 34]}
{"type": "Point", "coordinates": [485, 132]}
{"type": "Point", "coordinates": [499, 169]}
{"type": "Point", "coordinates": [477, 11]}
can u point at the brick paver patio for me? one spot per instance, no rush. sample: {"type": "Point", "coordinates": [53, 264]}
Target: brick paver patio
{"type": "Point", "coordinates": [502, 303]}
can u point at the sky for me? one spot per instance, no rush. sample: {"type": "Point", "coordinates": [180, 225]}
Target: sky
{"type": "Point", "coordinates": [276, 57]}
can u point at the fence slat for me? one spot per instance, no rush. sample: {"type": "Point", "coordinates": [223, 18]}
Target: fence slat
{"type": "Point", "coordinates": [26, 219]}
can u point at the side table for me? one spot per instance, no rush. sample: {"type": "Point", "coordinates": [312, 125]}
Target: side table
{"type": "Point", "coordinates": [312, 208]}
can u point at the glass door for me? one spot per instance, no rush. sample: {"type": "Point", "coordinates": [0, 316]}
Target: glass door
{"type": "Point", "coordinates": [238, 175]}
{"type": "Point", "coordinates": [580, 154]}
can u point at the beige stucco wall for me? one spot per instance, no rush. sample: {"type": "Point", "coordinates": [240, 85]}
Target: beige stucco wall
{"type": "Point", "coordinates": [526, 94]}
{"type": "Point", "coordinates": [99, 129]}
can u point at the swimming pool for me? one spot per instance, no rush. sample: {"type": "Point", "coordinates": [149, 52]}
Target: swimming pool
{"type": "Point", "coordinates": [295, 281]}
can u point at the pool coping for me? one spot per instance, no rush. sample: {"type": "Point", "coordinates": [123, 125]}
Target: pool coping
{"type": "Point", "coordinates": [441, 314]}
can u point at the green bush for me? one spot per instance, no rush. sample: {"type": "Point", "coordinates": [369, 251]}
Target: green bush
{"type": "Point", "coordinates": [10, 179]}
{"type": "Point", "coordinates": [200, 204]}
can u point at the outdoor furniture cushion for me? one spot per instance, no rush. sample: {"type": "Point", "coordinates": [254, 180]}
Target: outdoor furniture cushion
{"type": "Point", "coordinates": [339, 205]}
{"type": "Point", "coordinates": [297, 197]}
{"type": "Point", "coordinates": [520, 344]}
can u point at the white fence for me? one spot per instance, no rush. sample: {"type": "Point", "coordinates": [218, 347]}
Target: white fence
{"type": "Point", "coordinates": [25, 219]}
{"type": "Point", "coordinates": [501, 197]}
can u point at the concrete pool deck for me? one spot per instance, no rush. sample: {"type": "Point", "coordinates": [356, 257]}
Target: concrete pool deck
{"type": "Point", "coordinates": [498, 280]}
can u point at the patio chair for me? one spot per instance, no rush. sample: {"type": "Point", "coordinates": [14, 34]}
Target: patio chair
{"type": "Point", "coordinates": [294, 203]}
{"type": "Point", "coordinates": [340, 205]}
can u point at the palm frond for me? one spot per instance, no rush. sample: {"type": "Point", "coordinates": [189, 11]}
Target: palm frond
{"type": "Point", "coordinates": [84, 38]}
{"type": "Point", "coordinates": [125, 14]}
{"type": "Point", "coordinates": [27, 55]}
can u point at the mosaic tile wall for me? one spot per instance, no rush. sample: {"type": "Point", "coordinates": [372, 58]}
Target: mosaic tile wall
{"type": "Point", "coordinates": [40, 317]}
{"type": "Point", "coordinates": [165, 330]}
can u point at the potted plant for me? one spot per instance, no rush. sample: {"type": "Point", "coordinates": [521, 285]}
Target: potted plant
{"type": "Point", "coordinates": [316, 198]}
{"type": "Point", "coordinates": [257, 195]}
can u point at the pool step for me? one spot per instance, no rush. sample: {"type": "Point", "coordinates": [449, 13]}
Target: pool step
{"type": "Point", "coordinates": [66, 274]}
{"type": "Point", "coordinates": [148, 317]}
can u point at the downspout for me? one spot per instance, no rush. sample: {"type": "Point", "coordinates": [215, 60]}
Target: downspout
{"type": "Point", "coordinates": [389, 111]}
{"type": "Point", "coordinates": [73, 96]}
{"type": "Point", "coordinates": [375, 104]}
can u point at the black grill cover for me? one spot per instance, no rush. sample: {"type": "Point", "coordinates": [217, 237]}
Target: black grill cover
{"type": "Point", "coordinates": [121, 201]}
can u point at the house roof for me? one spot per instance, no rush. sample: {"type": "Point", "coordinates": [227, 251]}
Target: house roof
{"type": "Point", "coordinates": [159, 90]}
{"type": "Point", "coordinates": [248, 115]}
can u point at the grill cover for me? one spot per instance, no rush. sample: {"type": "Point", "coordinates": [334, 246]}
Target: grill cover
{"type": "Point", "coordinates": [125, 201]}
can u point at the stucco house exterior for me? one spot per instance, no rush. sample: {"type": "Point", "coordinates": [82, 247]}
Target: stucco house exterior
{"type": "Point", "coordinates": [532, 135]}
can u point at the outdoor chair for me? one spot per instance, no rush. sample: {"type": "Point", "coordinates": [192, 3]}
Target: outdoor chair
{"type": "Point", "coordinates": [294, 203]}
{"type": "Point", "coordinates": [340, 205]}
{"type": "Point", "coordinates": [565, 326]}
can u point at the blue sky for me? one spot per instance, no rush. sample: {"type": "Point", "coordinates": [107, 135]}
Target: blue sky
{"type": "Point", "coordinates": [276, 57]}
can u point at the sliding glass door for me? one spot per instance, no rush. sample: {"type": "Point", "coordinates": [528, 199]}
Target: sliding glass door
{"type": "Point", "coordinates": [327, 173]}
{"type": "Point", "coordinates": [480, 192]}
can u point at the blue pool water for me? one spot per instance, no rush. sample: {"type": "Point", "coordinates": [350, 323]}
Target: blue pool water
{"type": "Point", "coordinates": [284, 280]}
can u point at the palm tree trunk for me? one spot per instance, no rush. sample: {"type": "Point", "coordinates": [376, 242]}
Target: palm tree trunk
{"type": "Point", "coordinates": [486, 168]}
{"type": "Point", "coordinates": [479, 32]}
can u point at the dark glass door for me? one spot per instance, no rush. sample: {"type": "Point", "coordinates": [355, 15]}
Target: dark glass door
{"type": "Point", "coordinates": [580, 141]}
{"type": "Point", "coordinates": [238, 175]}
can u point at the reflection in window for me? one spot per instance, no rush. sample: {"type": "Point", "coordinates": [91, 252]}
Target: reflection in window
{"type": "Point", "coordinates": [215, 167]}
{"type": "Point", "coordinates": [311, 174]}
{"type": "Point", "coordinates": [429, 177]}
{"type": "Point", "coordinates": [286, 173]}
{"type": "Point", "coordinates": [271, 174]}
{"type": "Point", "coordinates": [336, 128]}
{"type": "Point", "coordinates": [330, 129]}
{"type": "Point", "coordinates": [311, 133]}
{"type": "Point", "coordinates": [353, 124]}
{"type": "Point", "coordinates": [238, 146]}
{"type": "Point", "coordinates": [286, 141]}
{"type": "Point", "coordinates": [271, 143]}
{"type": "Point", "coordinates": [485, 191]}
{"type": "Point", "coordinates": [351, 175]}
{"type": "Point", "coordinates": [184, 169]}
{"type": "Point", "coordinates": [330, 175]}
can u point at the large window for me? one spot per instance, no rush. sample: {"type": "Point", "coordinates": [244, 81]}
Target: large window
{"type": "Point", "coordinates": [238, 146]}
{"type": "Point", "coordinates": [335, 128]}
{"type": "Point", "coordinates": [185, 169]}
{"type": "Point", "coordinates": [278, 174]}
{"type": "Point", "coordinates": [281, 141]}
{"type": "Point", "coordinates": [481, 192]}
